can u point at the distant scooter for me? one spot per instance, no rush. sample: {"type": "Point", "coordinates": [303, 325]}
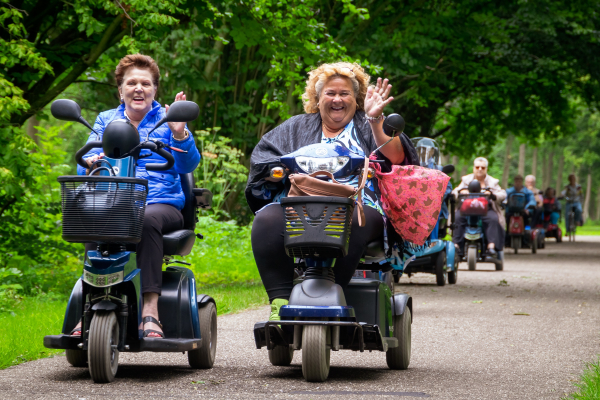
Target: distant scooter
{"type": "Point", "coordinates": [474, 205]}
{"type": "Point", "coordinates": [520, 235]}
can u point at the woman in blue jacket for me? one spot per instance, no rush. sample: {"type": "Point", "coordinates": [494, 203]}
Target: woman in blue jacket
{"type": "Point", "coordinates": [137, 78]}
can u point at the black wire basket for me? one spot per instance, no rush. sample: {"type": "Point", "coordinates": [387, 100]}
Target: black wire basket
{"type": "Point", "coordinates": [103, 209]}
{"type": "Point", "coordinates": [317, 227]}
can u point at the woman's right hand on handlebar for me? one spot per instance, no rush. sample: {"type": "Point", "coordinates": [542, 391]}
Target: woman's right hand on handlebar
{"type": "Point", "coordinates": [91, 160]}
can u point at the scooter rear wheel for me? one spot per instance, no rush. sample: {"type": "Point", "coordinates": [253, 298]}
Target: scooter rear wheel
{"type": "Point", "coordinates": [453, 275]}
{"type": "Point", "coordinates": [77, 358]}
{"type": "Point", "coordinates": [441, 274]}
{"type": "Point", "coordinates": [472, 258]}
{"type": "Point", "coordinates": [534, 244]}
{"type": "Point", "coordinates": [204, 356]}
{"type": "Point", "coordinates": [281, 356]}
{"type": "Point", "coordinates": [516, 243]}
{"type": "Point", "coordinates": [103, 358]}
{"type": "Point", "coordinates": [315, 353]}
{"type": "Point", "coordinates": [399, 357]}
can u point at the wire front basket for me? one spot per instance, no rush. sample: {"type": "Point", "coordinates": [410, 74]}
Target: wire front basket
{"type": "Point", "coordinates": [317, 227]}
{"type": "Point", "coordinates": [103, 209]}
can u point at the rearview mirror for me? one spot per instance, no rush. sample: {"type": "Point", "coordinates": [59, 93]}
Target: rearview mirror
{"type": "Point", "coordinates": [448, 169]}
{"type": "Point", "coordinates": [393, 122]}
{"type": "Point", "coordinates": [182, 111]}
{"type": "Point", "coordinates": [68, 110]}
{"type": "Point", "coordinates": [179, 111]}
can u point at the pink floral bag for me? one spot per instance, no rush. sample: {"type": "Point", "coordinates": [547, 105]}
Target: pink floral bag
{"type": "Point", "coordinates": [411, 197]}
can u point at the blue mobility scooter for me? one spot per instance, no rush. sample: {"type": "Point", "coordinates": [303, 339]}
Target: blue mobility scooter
{"type": "Point", "coordinates": [436, 256]}
{"type": "Point", "coordinates": [321, 316]}
{"type": "Point", "coordinates": [108, 209]}
{"type": "Point", "coordinates": [474, 205]}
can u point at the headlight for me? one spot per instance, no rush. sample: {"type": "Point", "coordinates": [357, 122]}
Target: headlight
{"type": "Point", "coordinates": [472, 236]}
{"type": "Point", "coordinates": [314, 164]}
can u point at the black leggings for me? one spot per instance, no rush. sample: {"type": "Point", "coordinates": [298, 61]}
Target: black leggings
{"type": "Point", "coordinates": [277, 269]}
{"type": "Point", "coordinates": [494, 233]}
{"type": "Point", "coordinates": [158, 220]}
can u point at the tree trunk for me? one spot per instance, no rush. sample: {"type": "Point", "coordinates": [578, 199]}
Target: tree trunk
{"type": "Point", "coordinates": [598, 205]}
{"type": "Point", "coordinates": [588, 195]}
{"type": "Point", "coordinates": [548, 165]}
{"type": "Point", "coordinates": [455, 177]}
{"type": "Point", "coordinates": [32, 122]}
{"type": "Point", "coordinates": [534, 162]}
{"type": "Point", "coordinates": [522, 150]}
{"type": "Point", "coordinates": [559, 172]}
{"type": "Point", "coordinates": [507, 158]}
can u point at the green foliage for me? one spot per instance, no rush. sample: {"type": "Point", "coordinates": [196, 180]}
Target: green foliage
{"type": "Point", "coordinates": [224, 256]}
{"type": "Point", "coordinates": [220, 171]}
{"type": "Point", "coordinates": [589, 384]}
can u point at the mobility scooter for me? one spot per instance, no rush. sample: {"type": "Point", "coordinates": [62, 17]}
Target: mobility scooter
{"type": "Point", "coordinates": [437, 256]}
{"type": "Point", "coordinates": [321, 316]}
{"type": "Point", "coordinates": [474, 205]}
{"type": "Point", "coordinates": [519, 234]}
{"type": "Point", "coordinates": [108, 209]}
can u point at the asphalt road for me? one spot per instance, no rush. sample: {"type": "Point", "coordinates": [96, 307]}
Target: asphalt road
{"type": "Point", "coordinates": [467, 343]}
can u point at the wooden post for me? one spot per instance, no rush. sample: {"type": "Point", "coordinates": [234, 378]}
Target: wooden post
{"type": "Point", "coordinates": [522, 150]}
{"type": "Point", "coordinates": [507, 157]}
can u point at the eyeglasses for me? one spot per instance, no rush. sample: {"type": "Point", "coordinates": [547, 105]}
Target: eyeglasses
{"type": "Point", "coordinates": [479, 167]}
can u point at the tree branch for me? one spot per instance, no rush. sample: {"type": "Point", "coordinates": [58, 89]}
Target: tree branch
{"type": "Point", "coordinates": [96, 82]}
{"type": "Point", "coordinates": [441, 132]}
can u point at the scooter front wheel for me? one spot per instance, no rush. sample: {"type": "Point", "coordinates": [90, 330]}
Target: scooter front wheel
{"type": "Point", "coordinates": [399, 357]}
{"type": "Point", "coordinates": [441, 273]}
{"type": "Point", "coordinates": [516, 243]}
{"type": "Point", "coordinates": [103, 356]}
{"type": "Point", "coordinates": [281, 356]}
{"type": "Point", "coordinates": [453, 275]}
{"type": "Point", "coordinates": [204, 356]}
{"type": "Point", "coordinates": [315, 353]}
{"type": "Point", "coordinates": [472, 258]}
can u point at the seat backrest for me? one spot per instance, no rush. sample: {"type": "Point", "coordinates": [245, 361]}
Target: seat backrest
{"type": "Point", "coordinates": [189, 208]}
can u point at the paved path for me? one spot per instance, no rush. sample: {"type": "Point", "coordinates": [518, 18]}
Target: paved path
{"type": "Point", "coordinates": [467, 344]}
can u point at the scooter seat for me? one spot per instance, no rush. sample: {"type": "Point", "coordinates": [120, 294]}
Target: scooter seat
{"type": "Point", "coordinates": [375, 249]}
{"type": "Point", "coordinates": [178, 243]}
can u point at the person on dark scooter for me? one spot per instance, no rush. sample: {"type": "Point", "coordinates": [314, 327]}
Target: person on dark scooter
{"type": "Point", "coordinates": [493, 222]}
{"type": "Point", "coordinates": [537, 217]}
{"type": "Point", "coordinates": [530, 203]}
{"type": "Point", "coordinates": [340, 107]}
{"type": "Point", "coordinates": [552, 207]}
{"type": "Point", "coordinates": [138, 78]}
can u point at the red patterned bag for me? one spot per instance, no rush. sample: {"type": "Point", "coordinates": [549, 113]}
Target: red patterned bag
{"type": "Point", "coordinates": [411, 197]}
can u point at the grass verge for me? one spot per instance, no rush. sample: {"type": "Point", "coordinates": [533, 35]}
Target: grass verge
{"type": "Point", "coordinates": [589, 384]}
{"type": "Point", "coordinates": [23, 332]}
{"type": "Point", "coordinates": [590, 228]}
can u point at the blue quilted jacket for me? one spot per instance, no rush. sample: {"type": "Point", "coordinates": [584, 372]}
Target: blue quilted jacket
{"type": "Point", "coordinates": [163, 186]}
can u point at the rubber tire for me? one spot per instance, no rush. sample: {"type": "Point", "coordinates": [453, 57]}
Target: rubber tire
{"type": "Point", "coordinates": [281, 356]}
{"type": "Point", "coordinates": [472, 258]}
{"type": "Point", "coordinates": [399, 357]}
{"type": "Point", "coordinates": [453, 275]}
{"type": "Point", "coordinates": [516, 243]}
{"type": "Point", "coordinates": [441, 275]}
{"type": "Point", "coordinates": [77, 358]}
{"type": "Point", "coordinates": [103, 361]}
{"type": "Point", "coordinates": [500, 267]}
{"type": "Point", "coordinates": [389, 281]}
{"type": "Point", "coordinates": [396, 278]}
{"type": "Point", "coordinates": [315, 353]}
{"type": "Point", "coordinates": [204, 356]}
{"type": "Point", "coordinates": [534, 244]}
{"type": "Point", "coordinates": [559, 237]}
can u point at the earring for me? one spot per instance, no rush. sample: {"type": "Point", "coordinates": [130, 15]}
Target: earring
{"type": "Point", "coordinates": [121, 99]}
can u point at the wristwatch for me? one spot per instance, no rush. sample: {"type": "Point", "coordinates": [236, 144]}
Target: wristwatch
{"type": "Point", "coordinates": [187, 135]}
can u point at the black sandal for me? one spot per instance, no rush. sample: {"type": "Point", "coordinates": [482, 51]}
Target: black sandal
{"type": "Point", "coordinates": [147, 319]}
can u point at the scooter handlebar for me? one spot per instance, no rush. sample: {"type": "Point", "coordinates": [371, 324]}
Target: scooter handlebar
{"type": "Point", "coordinates": [161, 166]}
{"type": "Point", "coordinates": [84, 150]}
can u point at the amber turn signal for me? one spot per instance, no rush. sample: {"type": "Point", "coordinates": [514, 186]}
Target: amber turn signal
{"type": "Point", "coordinates": [277, 172]}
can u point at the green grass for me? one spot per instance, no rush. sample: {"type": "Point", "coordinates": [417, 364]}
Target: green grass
{"type": "Point", "coordinates": [589, 383]}
{"type": "Point", "coordinates": [590, 228]}
{"type": "Point", "coordinates": [23, 332]}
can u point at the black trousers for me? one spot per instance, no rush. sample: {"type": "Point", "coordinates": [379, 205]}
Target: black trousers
{"type": "Point", "coordinates": [158, 220]}
{"type": "Point", "coordinates": [277, 269]}
{"type": "Point", "coordinates": [494, 233]}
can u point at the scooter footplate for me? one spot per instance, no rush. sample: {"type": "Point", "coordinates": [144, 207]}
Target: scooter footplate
{"type": "Point", "coordinates": [167, 345]}
{"type": "Point", "coordinates": [62, 342]}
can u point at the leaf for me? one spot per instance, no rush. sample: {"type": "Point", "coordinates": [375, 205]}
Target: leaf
{"type": "Point", "coordinates": [521, 313]}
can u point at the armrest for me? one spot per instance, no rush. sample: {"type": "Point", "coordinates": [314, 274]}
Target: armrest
{"type": "Point", "coordinates": [203, 198]}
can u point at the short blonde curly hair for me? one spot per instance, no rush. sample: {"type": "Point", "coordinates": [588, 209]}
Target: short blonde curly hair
{"type": "Point", "coordinates": [319, 76]}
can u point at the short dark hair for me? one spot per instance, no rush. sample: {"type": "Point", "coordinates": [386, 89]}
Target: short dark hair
{"type": "Point", "coordinates": [137, 61]}
{"type": "Point", "coordinates": [518, 176]}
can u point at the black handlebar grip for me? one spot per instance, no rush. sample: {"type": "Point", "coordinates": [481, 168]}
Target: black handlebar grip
{"type": "Point", "coordinates": [83, 151]}
{"type": "Point", "coordinates": [162, 166]}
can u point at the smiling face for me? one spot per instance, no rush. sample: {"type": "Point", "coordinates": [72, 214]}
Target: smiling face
{"type": "Point", "coordinates": [337, 103]}
{"type": "Point", "coordinates": [530, 183]}
{"type": "Point", "coordinates": [137, 92]}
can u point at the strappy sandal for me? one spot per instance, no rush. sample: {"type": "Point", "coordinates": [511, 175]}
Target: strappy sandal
{"type": "Point", "coordinates": [77, 329]}
{"type": "Point", "coordinates": [147, 319]}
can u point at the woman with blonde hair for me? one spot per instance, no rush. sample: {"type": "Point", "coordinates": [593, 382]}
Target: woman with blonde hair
{"type": "Point", "coordinates": [341, 107]}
